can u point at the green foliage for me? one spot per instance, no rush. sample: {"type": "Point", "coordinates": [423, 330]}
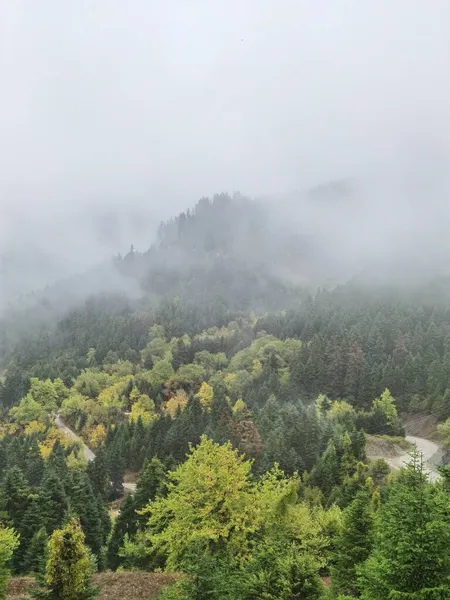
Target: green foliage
{"type": "Point", "coordinates": [143, 408]}
{"type": "Point", "coordinates": [282, 402]}
{"type": "Point", "coordinates": [354, 542]}
{"type": "Point", "coordinates": [9, 541]}
{"type": "Point", "coordinates": [53, 502]}
{"type": "Point", "coordinates": [410, 558]}
{"type": "Point", "coordinates": [28, 410]}
{"type": "Point", "coordinates": [69, 567]}
{"type": "Point", "coordinates": [209, 501]}
{"type": "Point", "coordinates": [36, 553]}
{"type": "Point", "coordinates": [444, 432]}
{"type": "Point", "coordinates": [124, 524]}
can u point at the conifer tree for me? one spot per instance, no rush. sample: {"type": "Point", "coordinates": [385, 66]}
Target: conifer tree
{"type": "Point", "coordinates": [53, 503]}
{"type": "Point", "coordinates": [35, 553]}
{"type": "Point", "coordinates": [9, 541]}
{"type": "Point", "coordinates": [84, 504]}
{"type": "Point", "coordinates": [410, 558]}
{"type": "Point", "coordinates": [31, 523]}
{"type": "Point", "coordinates": [57, 461]}
{"type": "Point", "coordinates": [137, 446]}
{"type": "Point", "coordinates": [354, 542]}
{"type": "Point", "coordinates": [125, 523]}
{"type": "Point", "coordinates": [347, 459]}
{"type": "Point", "coordinates": [68, 569]}
{"type": "Point", "coordinates": [3, 458]}
{"type": "Point", "coordinates": [151, 483]}
{"type": "Point", "coordinates": [116, 472]}
{"type": "Point", "coordinates": [34, 464]}
{"type": "Point", "coordinates": [325, 474]}
{"type": "Point", "coordinates": [14, 496]}
{"type": "Point", "coordinates": [99, 474]}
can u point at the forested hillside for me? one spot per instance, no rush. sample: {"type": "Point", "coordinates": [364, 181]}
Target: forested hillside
{"type": "Point", "coordinates": [239, 401]}
{"type": "Point", "coordinates": [226, 250]}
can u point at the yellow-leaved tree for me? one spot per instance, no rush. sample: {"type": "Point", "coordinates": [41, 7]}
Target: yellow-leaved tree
{"type": "Point", "coordinates": [9, 540]}
{"type": "Point", "coordinates": [143, 408]}
{"type": "Point", "coordinates": [69, 566]}
{"type": "Point", "coordinates": [210, 501]}
{"type": "Point", "coordinates": [177, 402]}
{"type": "Point", "coordinates": [236, 538]}
{"type": "Point", "coordinates": [205, 394]}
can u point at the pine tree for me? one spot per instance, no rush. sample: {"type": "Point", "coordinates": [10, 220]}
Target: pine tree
{"type": "Point", "coordinates": [136, 446]}
{"type": "Point", "coordinates": [3, 458]}
{"type": "Point", "coordinates": [68, 569]}
{"type": "Point", "coordinates": [347, 458]}
{"type": "Point", "coordinates": [84, 504]}
{"type": "Point", "coordinates": [116, 472]}
{"type": "Point", "coordinates": [57, 462]}
{"type": "Point", "coordinates": [53, 503]}
{"type": "Point", "coordinates": [31, 523]}
{"type": "Point", "coordinates": [151, 483]}
{"type": "Point", "coordinates": [354, 542]}
{"type": "Point", "coordinates": [9, 541]}
{"type": "Point", "coordinates": [99, 474]}
{"type": "Point", "coordinates": [14, 496]}
{"type": "Point", "coordinates": [105, 522]}
{"type": "Point", "coordinates": [325, 474]}
{"type": "Point", "coordinates": [410, 558]}
{"type": "Point", "coordinates": [35, 553]}
{"type": "Point", "coordinates": [125, 523]}
{"type": "Point", "coordinates": [34, 464]}
{"type": "Point", "coordinates": [219, 427]}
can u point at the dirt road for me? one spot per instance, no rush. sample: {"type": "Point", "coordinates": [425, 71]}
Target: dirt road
{"type": "Point", "coordinates": [87, 452]}
{"type": "Point", "coordinates": [429, 450]}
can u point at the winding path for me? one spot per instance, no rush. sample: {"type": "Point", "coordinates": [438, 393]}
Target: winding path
{"type": "Point", "coordinates": [87, 452]}
{"type": "Point", "coordinates": [429, 450]}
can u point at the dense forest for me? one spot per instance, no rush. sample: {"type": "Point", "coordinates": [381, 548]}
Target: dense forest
{"type": "Point", "coordinates": [226, 409]}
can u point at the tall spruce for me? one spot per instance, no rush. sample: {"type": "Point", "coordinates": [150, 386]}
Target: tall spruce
{"type": "Point", "coordinates": [354, 542]}
{"type": "Point", "coordinates": [53, 502]}
{"type": "Point", "coordinates": [99, 473]}
{"type": "Point", "coordinates": [410, 558]}
{"type": "Point", "coordinates": [68, 569]}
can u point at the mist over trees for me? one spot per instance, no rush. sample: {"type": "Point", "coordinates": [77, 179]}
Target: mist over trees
{"type": "Point", "coordinates": [240, 401]}
{"type": "Point", "coordinates": [206, 393]}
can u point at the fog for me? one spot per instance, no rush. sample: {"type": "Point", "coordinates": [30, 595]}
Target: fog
{"type": "Point", "coordinates": [115, 115]}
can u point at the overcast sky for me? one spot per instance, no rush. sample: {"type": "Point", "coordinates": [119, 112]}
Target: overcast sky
{"type": "Point", "coordinates": [161, 102]}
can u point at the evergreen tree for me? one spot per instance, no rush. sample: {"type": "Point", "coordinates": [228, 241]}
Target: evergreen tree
{"type": "Point", "coordinates": [34, 464]}
{"type": "Point", "coordinates": [35, 553]}
{"type": "Point", "coordinates": [14, 496]}
{"type": "Point", "coordinates": [219, 427]}
{"type": "Point", "coordinates": [151, 483]}
{"type": "Point", "coordinates": [105, 522]}
{"type": "Point", "coordinates": [31, 523]}
{"type": "Point", "coordinates": [347, 459]}
{"type": "Point", "coordinates": [410, 558]}
{"type": "Point", "coordinates": [354, 542]}
{"type": "Point", "coordinates": [3, 458]}
{"type": "Point", "coordinates": [85, 505]}
{"type": "Point", "coordinates": [116, 472]}
{"type": "Point", "coordinates": [99, 474]}
{"type": "Point", "coordinates": [136, 446]}
{"type": "Point", "coordinates": [9, 541]}
{"type": "Point", "coordinates": [125, 523]}
{"type": "Point", "coordinates": [68, 569]}
{"type": "Point", "coordinates": [325, 474]}
{"type": "Point", "coordinates": [57, 461]}
{"type": "Point", "coordinates": [53, 503]}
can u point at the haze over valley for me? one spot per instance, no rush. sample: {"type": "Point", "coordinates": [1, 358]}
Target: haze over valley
{"type": "Point", "coordinates": [225, 300]}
